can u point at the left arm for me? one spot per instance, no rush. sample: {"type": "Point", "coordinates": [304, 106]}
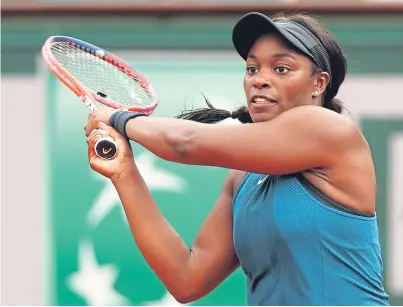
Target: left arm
{"type": "Point", "coordinates": [299, 139]}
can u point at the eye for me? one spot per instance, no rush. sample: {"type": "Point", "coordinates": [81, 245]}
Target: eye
{"type": "Point", "coordinates": [282, 70]}
{"type": "Point", "coordinates": [252, 70]}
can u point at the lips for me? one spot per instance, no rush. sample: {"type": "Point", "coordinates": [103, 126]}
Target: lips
{"type": "Point", "coordinates": [261, 99]}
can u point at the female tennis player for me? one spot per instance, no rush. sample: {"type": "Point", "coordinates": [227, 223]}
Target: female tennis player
{"type": "Point", "coordinates": [297, 211]}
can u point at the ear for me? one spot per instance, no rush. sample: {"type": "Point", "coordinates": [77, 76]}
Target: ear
{"type": "Point", "coordinates": [320, 81]}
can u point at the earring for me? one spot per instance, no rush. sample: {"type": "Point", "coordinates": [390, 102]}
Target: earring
{"type": "Point", "coordinates": [315, 92]}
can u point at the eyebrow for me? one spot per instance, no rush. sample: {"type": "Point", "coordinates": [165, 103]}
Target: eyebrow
{"type": "Point", "coordinates": [276, 55]}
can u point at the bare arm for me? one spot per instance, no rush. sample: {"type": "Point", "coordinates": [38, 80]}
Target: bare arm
{"type": "Point", "coordinates": [187, 275]}
{"type": "Point", "coordinates": [299, 139]}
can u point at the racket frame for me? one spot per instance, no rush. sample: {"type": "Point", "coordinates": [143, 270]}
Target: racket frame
{"type": "Point", "coordinates": [88, 98]}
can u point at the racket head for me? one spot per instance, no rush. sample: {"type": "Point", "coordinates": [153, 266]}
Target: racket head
{"type": "Point", "coordinates": [96, 75]}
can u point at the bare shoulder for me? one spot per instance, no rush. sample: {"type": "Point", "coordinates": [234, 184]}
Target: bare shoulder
{"type": "Point", "coordinates": [324, 118]}
{"type": "Point", "coordinates": [337, 127]}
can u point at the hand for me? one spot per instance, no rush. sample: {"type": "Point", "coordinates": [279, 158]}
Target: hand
{"type": "Point", "coordinates": [102, 115]}
{"type": "Point", "coordinates": [123, 160]}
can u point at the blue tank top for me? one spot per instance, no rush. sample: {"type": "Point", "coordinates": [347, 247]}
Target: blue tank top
{"type": "Point", "coordinates": [297, 247]}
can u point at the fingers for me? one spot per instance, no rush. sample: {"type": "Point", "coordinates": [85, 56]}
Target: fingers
{"type": "Point", "coordinates": [88, 130]}
{"type": "Point", "coordinates": [106, 131]}
{"type": "Point", "coordinates": [111, 131]}
{"type": "Point", "coordinates": [102, 131]}
{"type": "Point", "coordinates": [95, 135]}
{"type": "Point", "coordinates": [90, 122]}
{"type": "Point", "coordinates": [102, 114]}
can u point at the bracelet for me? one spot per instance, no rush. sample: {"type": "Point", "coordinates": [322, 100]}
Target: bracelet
{"type": "Point", "coordinates": [119, 120]}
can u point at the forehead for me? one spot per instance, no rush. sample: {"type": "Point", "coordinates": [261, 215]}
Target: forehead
{"type": "Point", "coordinates": [271, 43]}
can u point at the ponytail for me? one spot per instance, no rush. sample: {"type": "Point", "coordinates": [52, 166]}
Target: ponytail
{"type": "Point", "coordinates": [336, 105]}
{"type": "Point", "coordinates": [211, 115]}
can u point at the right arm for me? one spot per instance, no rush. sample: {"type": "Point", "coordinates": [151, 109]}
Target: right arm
{"type": "Point", "coordinates": [188, 274]}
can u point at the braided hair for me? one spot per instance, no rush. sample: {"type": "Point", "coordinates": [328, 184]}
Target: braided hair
{"type": "Point", "coordinates": [212, 115]}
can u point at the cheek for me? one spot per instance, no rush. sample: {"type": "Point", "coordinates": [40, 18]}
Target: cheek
{"type": "Point", "coordinates": [296, 93]}
{"type": "Point", "coordinates": [246, 85]}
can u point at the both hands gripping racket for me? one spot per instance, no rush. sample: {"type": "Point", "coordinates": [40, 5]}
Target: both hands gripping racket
{"type": "Point", "coordinates": [98, 77]}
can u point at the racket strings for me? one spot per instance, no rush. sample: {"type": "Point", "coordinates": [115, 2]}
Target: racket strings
{"type": "Point", "coordinates": [101, 77]}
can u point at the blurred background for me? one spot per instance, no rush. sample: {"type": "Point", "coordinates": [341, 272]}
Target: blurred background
{"type": "Point", "coordinates": [64, 237]}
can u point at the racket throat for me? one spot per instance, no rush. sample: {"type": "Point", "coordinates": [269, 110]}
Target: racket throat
{"type": "Point", "coordinates": [89, 103]}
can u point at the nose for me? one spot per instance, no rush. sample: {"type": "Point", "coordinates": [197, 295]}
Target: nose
{"type": "Point", "coordinates": [261, 81]}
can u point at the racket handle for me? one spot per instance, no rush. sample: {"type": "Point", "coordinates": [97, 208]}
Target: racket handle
{"type": "Point", "coordinates": [106, 148]}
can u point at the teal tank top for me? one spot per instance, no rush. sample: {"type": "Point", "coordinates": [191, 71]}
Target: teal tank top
{"type": "Point", "coordinates": [299, 247]}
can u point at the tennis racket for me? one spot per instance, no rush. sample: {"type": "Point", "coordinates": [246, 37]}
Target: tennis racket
{"type": "Point", "coordinates": [98, 77]}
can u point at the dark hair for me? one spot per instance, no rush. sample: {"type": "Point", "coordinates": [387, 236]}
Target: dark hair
{"type": "Point", "coordinates": [338, 65]}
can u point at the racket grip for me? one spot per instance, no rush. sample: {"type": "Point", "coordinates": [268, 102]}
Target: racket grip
{"type": "Point", "coordinates": [106, 148]}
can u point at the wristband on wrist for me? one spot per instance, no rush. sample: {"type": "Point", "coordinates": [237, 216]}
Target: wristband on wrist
{"type": "Point", "coordinates": [119, 120]}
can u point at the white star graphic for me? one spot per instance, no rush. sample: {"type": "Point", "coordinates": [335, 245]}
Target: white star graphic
{"type": "Point", "coordinates": [155, 177]}
{"type": "Point", "coordinates": [94, 282]}
{"type": "Point", "coordinates": [166, 300]}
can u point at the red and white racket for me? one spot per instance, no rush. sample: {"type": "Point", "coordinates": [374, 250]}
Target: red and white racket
{"type": "Point", "coordinates": [98, 77]}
